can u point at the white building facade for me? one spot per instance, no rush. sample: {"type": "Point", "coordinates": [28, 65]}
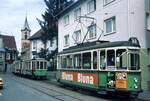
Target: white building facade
{"type": "Point", "coordinates": [37, 45]}
{"type": "Point", "coordinates": [109, 20]}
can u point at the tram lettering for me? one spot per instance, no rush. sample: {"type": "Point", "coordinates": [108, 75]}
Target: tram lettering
{"type": "Point", "coordinates": [67, 76]}
{"type": "Point", "coordinates": [87, 79]}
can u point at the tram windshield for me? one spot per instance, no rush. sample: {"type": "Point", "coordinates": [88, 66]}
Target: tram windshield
{"type": "Point", "coordinates": [121, 59]}
{"type": "Point", "coordinates": [134, 60]}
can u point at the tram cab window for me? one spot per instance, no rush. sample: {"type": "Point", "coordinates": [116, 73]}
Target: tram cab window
{"type": "Point", "coordinates": [121, 59]}
{"type": "Point", "coordinates": [134, 61]}
{"type": "Point", "coordinates": [102, 59]}
{"type": "Point", "coordinates": [94, 60]}
{"type": "Point", "coordinates": [110, 59]}
{"type": "Point", "coordinates": [87, 60]}
{"type": "Point", "coordinates": [77, 61]}
{"type": "Point", "coordinates": [41, 65]}
{"type": "Point", "coordinates": [69, 61]}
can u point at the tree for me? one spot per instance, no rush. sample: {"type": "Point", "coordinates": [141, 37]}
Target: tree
{"type": "Point", "coordinates": [49, 25]}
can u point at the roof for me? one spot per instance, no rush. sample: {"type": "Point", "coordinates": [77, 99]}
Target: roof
{"type": "Point", "coordinates": [37, 35]}
{"type": "Point", "coordinates": [26, 25]}
{"type": "Point", "coordinates": [97, 44]}
{"type": "Point", "coordinates": [9, 42]}
{"type": "Point", "coordinates": [70, 7]}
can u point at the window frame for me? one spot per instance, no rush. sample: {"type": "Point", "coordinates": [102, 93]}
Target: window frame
{"type": "Point", "coordinates": [113, 25]}
{"type": "Point", "coordinates": [76, 11]}
{"type": "Point", "coordinates": [89, 4]}
{"type": "Point", "coordinates": [148, 21]}
{"type": "Point", "coordinates": [66, 43]}
{"type": "Point", "coordinates": [95, 31]}
{"type": "Point", "coordinates": [79, 36]}
{"type": "Point", "coordinates": [66, 20]}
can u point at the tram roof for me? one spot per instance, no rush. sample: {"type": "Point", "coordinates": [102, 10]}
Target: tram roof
{"type": "Point", "coordinates": [98, 44]}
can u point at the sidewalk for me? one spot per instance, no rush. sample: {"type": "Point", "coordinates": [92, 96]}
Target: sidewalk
{"type": "Point", "coordinates": [144, 96]}
{"type": "Point", "coordinates": [51, 75]}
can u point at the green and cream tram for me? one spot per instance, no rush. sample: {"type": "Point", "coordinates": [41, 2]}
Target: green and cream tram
{"type": "Point", "coordinates": [102, 66]}
{"type": "Point", "coordinates": [35, 68]}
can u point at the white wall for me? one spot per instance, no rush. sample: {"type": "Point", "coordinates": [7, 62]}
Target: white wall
{"type": "Point", "coordinates": [130, 21]}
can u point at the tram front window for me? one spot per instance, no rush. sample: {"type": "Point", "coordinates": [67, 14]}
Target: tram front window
{"type": "Point", "coordinates": [77, 61]}
{"type": "Point", "coordinates": [111, 59]}
{"type": "Point", "coordinates": [38, 64]}
{"type": "Point", "coordinates": [121, 59]}
{"type": "Point", "coordinates": [87, 60]}
{"type": "Point", "coordinates": [134, 61]}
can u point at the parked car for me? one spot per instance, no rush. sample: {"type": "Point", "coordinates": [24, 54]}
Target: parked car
{"type": "Point", "coordinates": [1, 82]}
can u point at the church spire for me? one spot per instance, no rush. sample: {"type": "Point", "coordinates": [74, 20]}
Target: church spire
{"type": "Point", "coordinates": [26, 25]}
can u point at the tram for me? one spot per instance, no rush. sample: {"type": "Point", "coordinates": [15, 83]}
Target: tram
{"type": "Point", "coordinates": [102, 66]}
{"type": "Point", "coordinates": [35, 68]}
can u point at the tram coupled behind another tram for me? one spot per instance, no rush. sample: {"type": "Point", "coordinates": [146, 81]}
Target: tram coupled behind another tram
{"type": "Point", "coordinates": [109, 66]}
{"type": "Point", "coordinates": [36, 68]}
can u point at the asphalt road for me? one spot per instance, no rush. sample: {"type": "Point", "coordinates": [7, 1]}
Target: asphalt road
{"type": "Point", "coordinates": [22, 89]}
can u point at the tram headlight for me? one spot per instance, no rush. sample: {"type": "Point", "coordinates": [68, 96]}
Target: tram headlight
{"type": "Point", "coordinates": [135, 86]}
{"type": "Point", "coordinates": [135, 80]}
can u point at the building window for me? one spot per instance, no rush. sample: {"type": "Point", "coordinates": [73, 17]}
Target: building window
{"type": "Point", "coordinates": [34, 44]}
{"type": "Point", "coordinates": [92, 31]}
{"type": "Point", "coordinates": [148, 21]}
{"type": "Point", "coordinates": [110, 25]}
{"type": "Point", "coordinates": [25, 35]}
{"type": "Point", "coordinates": [66, 20]}
{"type": "Point", "coordinates": [77, 36]}
{"type": "Point", "coordinates": [1, 55]}
{"type": "Point", "coordinates": [91, 6]}
{"type": "Point", "coordinates": [77, 13]}
{"type": "Point", "coordinates": [66, 40]}
{"type": "Point", "coordinates": [108, 1]}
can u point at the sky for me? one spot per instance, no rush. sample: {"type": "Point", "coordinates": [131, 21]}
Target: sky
{"type": "Point", "coordinates": [13, 13]}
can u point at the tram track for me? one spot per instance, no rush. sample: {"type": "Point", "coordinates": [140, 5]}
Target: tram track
{"type": "Point", "coordinates": [44, 90]}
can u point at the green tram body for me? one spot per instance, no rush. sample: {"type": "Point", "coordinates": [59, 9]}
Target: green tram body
{"type": "Point", "coordinates": [31, 68]}
{"type": "Point", "coordinates": [109, 66]}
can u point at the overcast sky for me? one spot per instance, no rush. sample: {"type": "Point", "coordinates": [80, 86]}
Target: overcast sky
{"type": "Point", "coordinates": [13, 13]}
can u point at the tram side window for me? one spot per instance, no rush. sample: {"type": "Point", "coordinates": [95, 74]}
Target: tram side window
{"type": "Point", "coordinates": [111, 59]}
{"type": "Point", "coordinates": [41, 65]}
{"type": "Point", "coordinates": [77, 61]}
{"type": "Point", "coordinates": [45, 65]}
{"type": "Point", "coordinates": [87, 60]}
{"type": "Point", "coordinates": [33, 65]}
{"type": "Point", "coordinates": [94, 60]}
{"type": "Point", "coordinates": [134, 61]}
{"type": "Point", "coordinates": [121, 59]}
{"type": "Point", "coordinates": [102, 59]}
{"type": "Point", "coordinates": [64, 62]}
{"type": "Point", "coordinates": [38, 64]}
{"type": "Point", "coordinates": [69, 62]}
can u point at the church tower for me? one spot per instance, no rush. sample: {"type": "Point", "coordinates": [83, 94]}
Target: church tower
{"type": "Point", "coordinates": [25, 31]}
